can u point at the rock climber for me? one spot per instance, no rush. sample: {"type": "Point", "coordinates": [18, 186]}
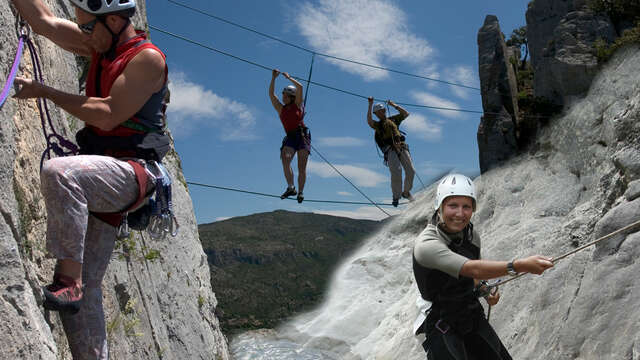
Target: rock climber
{"type": "Point", "coordinates": [448, 268]}
{"type": "Point", "coordinates": [123, 113]}
{"type": "Point", "coordinates": [298, 138]}
{"type": "Point", "coordinates": [392, 144]}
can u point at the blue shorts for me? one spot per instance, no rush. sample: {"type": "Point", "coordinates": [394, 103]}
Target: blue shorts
{"type": "Point", "coordinates": [299, 139]}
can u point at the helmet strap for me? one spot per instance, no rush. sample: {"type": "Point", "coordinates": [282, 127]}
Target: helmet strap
{"type": "Point", "coordinates": [111, 53]}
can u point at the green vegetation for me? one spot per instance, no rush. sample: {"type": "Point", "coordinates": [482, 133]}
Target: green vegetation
{"type": "Point", "coordinates": [623, 13]}
{"type": "Point", "coordinates": [605, 50]}
{"type": "Point", "coordinates": [519, 38]}
{"type": "Point", "coordinates": [133, 248]}
{"type": "Point", "coordinates": [267, 267]}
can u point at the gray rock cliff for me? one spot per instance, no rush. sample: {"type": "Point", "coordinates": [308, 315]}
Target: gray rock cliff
{"type": "Point", "coordinates": [158, 299]}
{"type": "Point", "coordinates": [561, 36]}
{"type": "Point", "coordinates": [498, 130]}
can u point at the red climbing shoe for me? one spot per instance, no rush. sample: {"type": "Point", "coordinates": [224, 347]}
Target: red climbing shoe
{"type": "Point", "coordinates": [65, 294]}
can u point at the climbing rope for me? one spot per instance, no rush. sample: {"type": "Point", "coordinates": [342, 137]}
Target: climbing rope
{"type": "Point", "coordinates": [23, 33]}
{"type": "Point", "coordinates": [556, 259]}
{"type": "Point", "coordinates": [278, 196]}
{"type": "Point", "coordinates": [55, 142]}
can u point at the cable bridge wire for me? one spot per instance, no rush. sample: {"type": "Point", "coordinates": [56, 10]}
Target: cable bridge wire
{"type": "Point", "coordinates": [210, 48]}
{"type": "Point", "coordinates": [278, 196]}
{"type": "Point", "coordinates": [315, 52]}
{"type": "Point", "coordinates": [302, 48]}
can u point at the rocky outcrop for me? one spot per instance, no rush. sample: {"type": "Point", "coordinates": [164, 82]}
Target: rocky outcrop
{"type": "Point", "coordinates": [158, 299]}
{"type": "Point", "coordinates": [561, 36]}
{"type": "Point", "coordinates": [498, 130]}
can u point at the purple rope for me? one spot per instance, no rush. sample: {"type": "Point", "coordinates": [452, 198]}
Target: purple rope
{"type": "Point", "coordinates": [14, 71]}
{"type": "Point", "coordinates": [63, 147]}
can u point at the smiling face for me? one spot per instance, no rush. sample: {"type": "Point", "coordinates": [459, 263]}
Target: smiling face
{"type": "Point", "coordinates": [456, 213]}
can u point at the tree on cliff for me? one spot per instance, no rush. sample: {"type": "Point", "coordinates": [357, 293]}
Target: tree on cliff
{"type": "Point", "coordinates": [519, 38]}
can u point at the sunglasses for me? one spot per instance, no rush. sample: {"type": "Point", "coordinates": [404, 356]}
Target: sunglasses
{"type": "Point", "coordinates": [87, 28]}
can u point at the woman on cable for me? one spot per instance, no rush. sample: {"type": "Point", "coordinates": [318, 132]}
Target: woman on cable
{"type": "Point", "coordinates": [298, 139]}
{"type": "Point", "coordinates": [448, 268]}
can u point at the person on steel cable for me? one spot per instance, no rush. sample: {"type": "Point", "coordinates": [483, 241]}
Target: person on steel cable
{"type": "Point", "coordinates": [447, 268]}
{"type": "Point", "coordinates": [392, 144]}
{"type": "Point", "coordinates": [298, 138]}
{"type": "Point", "coordinates": [123, 112]}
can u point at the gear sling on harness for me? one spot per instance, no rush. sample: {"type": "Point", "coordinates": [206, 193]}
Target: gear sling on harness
{"type": "Point", "coordinates": [455, 327]}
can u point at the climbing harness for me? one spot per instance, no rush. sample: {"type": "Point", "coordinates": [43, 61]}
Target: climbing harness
{"type": "Point", "coordinates": [23, 34]}
{"type": "Point", "coordinates": [153, 214]}
{"type": "Point", "coordinates": [55, 142]}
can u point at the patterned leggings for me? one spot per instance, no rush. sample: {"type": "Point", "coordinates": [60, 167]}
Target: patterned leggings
{"type": "Point", "coordinates": [73, 186]}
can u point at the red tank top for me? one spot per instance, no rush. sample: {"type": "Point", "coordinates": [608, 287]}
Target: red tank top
{"type": "Point", "coordinates": [291, 117]}
{"type": "Point", "coordinates": [110, 69]}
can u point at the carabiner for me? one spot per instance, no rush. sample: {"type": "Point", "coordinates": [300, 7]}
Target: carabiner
{"type": "Point", "coordinates": [123, 230]}
{"type": "Point", "coordinates": [174, 226]}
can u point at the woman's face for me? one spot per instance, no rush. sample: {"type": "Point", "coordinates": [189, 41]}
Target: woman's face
{"type": "Point", "coordinates": [286, 98]}
{"type": "Point", "coordinates": [456, 213]}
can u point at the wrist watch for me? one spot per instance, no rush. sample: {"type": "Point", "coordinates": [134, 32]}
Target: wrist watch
{"type": "Point", "coordinates": [510, 269]}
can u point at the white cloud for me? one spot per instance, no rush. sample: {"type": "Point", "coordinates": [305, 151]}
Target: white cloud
{"type": "Point", "coordinates": [369, 31]}
{"type": "Point", "coordinates": [340, 141]}
{"type": "Point", "coordinates": [462, 75]}
{"type": "Point", "coordinates": [364, 212]}
{"type": "Point", "coordinates": [344, 193]}
{"type": "Point", "coordinates": [221, 218]}
{"type": "Point", "coordinates": [428, 99]}
{"type": "Point", "coordinates": [194, 107]}
{"type": "Point", "coordinates": [424, 129]}
{"type": "Point", "coordinates": [358, 175]}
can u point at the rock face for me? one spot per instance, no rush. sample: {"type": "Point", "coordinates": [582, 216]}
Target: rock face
{"type": "Point", "coordinates": [157, 294]}
{"type": "Point", "coordinates": [498, 130]}
{"type": "Point", "coordinates": [561, 36]}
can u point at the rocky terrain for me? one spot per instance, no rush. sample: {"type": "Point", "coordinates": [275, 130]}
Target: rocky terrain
{"type": "Point", "coordinates": [158, 298]}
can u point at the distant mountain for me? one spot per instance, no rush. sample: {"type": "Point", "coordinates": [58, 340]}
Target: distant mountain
{"type": "Point", "coordinates": [266, 267]}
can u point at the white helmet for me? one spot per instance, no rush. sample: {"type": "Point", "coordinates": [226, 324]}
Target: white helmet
{"type": "Point", "coordinates": [455, 185]}
{"type": "Point", "coordinates": [378, 107]}
{"type": "Point", "coordinates": [103, 7]}
{"type": "Point", "coordinates": [290, 90]}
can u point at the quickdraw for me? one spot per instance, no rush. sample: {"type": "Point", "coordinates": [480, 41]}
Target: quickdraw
{"type": "Point", "coordinates": [162, 221]}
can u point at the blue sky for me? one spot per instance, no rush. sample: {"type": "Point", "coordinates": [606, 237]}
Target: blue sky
{"type": "Point", "coordinates": [228, 134]}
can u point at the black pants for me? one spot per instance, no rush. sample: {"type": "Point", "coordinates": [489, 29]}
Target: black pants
{"type": "Point", "coordinates": [473, 346]}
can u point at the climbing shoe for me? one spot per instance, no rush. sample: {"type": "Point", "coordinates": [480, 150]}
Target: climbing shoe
{"type": "Point", "coordinates": [395, 202]}
{"type": "Point", "coordinates": [290, 192]}
{"type": "Point", "coordinates": [407, 195]}
{"type": "Point", "coordinates": [65, 295]}
{"type": "Point", "coordinates": [300, 197]}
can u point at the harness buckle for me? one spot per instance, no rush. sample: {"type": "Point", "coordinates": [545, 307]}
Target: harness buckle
{"type": "Point", "coordinates": [440, 324]}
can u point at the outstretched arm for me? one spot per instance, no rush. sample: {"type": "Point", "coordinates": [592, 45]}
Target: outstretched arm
{"type": "Point", "coordinates": [489, 269]}
{"type": "Point", "coordinates": [64, 33]}
{"type": "Point", "coordinates": [298, 86]}
{"type": "Point", "coordinates": [369, 118]}
{"type": "Point", "coordinates": [274, 99]}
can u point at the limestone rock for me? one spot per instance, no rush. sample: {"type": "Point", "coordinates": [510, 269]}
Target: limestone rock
{"type": "Point", "coordinates": [561, 36]}
{"type": "Point", "coordinates": [498, 129]}
{"type": "Point", "coordinates": [157, 305]}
